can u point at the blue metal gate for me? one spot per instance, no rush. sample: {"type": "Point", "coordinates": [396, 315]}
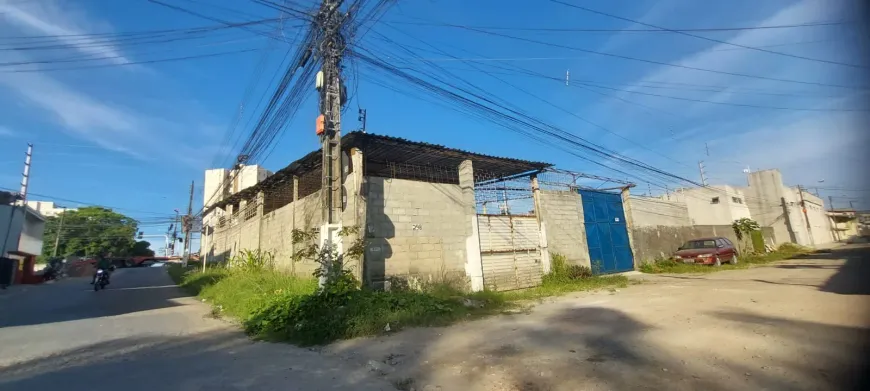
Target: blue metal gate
{"type": "Point", "coordinates": [606, 232]}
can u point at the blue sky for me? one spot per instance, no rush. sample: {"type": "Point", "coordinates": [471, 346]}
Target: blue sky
{"type": "Point", "coordinates": [133, 136]}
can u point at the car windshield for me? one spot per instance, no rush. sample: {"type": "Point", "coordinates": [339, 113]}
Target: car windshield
{"type": "Point", "coordinates": [695, 244]}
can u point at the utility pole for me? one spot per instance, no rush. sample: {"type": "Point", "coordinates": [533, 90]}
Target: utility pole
{"type": "Point", "coordinates": [174, 228]}
{"type": "Point", "coordinates": [833, 222]}
{"type": "Point", "coordinates": [331, 50]}
{"type": "Point", "coordinates": [806, 216]}
{"type": "Point", "coordinates": [186, 228]}
{"type": "Point", "coordinates": [57, 234]}
{"type": "Point", "coordinates": [362, 118]}
{"type": "Point", "coordinates": [703, 176]}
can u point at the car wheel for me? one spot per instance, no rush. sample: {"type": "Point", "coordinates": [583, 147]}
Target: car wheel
{"type": "Point", "coordinates": [718, 262]}
{"type": "Point", "coordinates": [733, 259]}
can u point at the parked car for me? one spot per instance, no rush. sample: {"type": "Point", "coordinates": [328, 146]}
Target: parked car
{"type": "Point", "coordinates": [707, 251]}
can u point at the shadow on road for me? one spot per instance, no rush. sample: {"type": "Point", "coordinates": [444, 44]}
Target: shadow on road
{"type": "Point", "coordinates": [131, 290]}
{"type": "Point", "coordinates": [222, 360]}
{"type": "Point", "coordinates": [596, 348]}
{"type": "Point", "coordinates": [853, 277]}
{"type": "Point", "coordinates": [836, 354]}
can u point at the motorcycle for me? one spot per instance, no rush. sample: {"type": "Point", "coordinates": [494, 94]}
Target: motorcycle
{"type": "Point", "coordinates": [102, 278]}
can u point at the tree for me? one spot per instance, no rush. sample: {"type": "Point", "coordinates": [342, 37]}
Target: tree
{"type": "Point", "coordinates": [744, 228]}
{"type": "Point", "coordinates": [90, 231]}
{"type": "Point", "coordinates": [141, 248]}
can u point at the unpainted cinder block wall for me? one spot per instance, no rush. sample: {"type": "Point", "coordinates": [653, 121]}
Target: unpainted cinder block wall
{"type": "Point", "coordinates": [414, 228]}
{"type": "Point", "coordinates": [561, 213]}
{"type": "Point", "coordinates": [277, 228]}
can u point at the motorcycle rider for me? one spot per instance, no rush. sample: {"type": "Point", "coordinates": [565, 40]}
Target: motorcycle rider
{"type": "Point", "coordinates": [104, 264]}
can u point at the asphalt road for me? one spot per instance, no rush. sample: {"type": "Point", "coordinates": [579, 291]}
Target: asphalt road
{"type": "Point", "coordinates": [143, 333]}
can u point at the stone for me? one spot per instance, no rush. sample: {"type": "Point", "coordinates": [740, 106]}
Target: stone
{"type": "Point", "coordinates": [379, 367]}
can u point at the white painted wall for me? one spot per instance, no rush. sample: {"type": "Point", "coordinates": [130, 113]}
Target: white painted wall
{"type": "Point", "coordinates": [703, 210]}
{"type": "Point", "coordinates": [24, 234]}
{"type": "Point", "coordinates": [46, 208]}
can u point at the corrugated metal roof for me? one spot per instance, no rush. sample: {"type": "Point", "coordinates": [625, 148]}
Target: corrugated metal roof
{"type": "Point", "coordinates": [383, 149]}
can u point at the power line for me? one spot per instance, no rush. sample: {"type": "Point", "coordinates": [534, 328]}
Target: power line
{"type": "Point", "coordinates": [708, 39]}
{"type": "Point", "coordinates": [654, 61]}
{"type": "Point", "coordinates": [604, 30]}
{"type": "Point", "coordinates": [84, 202]}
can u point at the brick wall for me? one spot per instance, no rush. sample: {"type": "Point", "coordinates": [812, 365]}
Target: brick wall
{"type": "Point", "coordinates": [562, 215]}
{"type": "Point", "coordinates": [414, 229]}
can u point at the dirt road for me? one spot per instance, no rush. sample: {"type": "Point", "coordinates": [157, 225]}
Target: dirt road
{"type": "Point", "coordinates": [797, 325]}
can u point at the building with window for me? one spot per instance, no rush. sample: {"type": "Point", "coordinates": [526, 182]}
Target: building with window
{"type": "Point", "coordinates": [713, 205]}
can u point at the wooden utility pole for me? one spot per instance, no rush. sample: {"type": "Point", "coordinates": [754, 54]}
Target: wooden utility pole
{"type": "Point", "coordinates": [806, 216]}
{"type": "Point", "coordinates": [187, 224]}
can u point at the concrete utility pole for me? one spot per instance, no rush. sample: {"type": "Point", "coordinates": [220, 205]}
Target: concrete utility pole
{"type": "Point", "coordinates": [174, 228]}
{"type": "Point", "coordinates": [806, 216]}
{"type": "Point", "coordinates": [362, 118]}
{"type": "Point", "coordinates": [186, 228]}
{"type": "Point", "coordinates": [703, 176]}
{"type": "Point", "coordinates": [57, 234]}
{"type": "Point", "coordinates": [331, 50]}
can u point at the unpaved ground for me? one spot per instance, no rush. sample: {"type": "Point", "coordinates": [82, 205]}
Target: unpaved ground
{"type": "Point", "coordinates": [797, 325]}
{"type": "Point", "coordinates": [144, 334]}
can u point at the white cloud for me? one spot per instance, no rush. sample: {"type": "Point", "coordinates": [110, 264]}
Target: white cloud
{"type": "Point", "coordinates": [6, 132]}
{"type": "Point", "coordinates": [47, 18]}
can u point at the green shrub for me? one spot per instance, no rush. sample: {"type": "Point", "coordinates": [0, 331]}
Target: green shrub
{"type": "Point", "coordinates": [252, 260]}
{"type": "Point", "coordinates": [561, 271]}
{"type": "Point", "coordinates": [793, 248]}
{"type": "Point", "coordinates": [328, 316]}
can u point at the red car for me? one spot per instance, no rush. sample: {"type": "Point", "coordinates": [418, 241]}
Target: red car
{"type": "Point", "coordinates": [707, 251]}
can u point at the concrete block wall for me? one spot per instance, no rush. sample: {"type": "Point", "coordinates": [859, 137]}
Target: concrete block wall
{"type": "Point", "coordinates": [561, 214]}
{"type": "Point", "coordinates": [655, 212]}
{"type": "Point", "coordinates": [414, 228]}
{"type": "Point", "coordinates": [659, 227]}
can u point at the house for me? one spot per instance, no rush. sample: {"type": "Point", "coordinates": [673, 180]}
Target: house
{"type": "Point", "coordinates": [713, 205]}
{"type": "Point", "coordinates": [47, 208]}
{"type": "Point", "coordinates": [844, 223]}
{"type": "Point", "coordinates": [795, 215]}
{"type": "Point", "coordinates": [21, 231]}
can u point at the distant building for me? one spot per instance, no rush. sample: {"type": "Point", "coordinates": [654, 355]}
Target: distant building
{"type": "Point", "coordinates": [795, 215]}
{"type": "Point", "coordinates": [47, 208]}
{"type": "Point", "coordinates": [21, 232]}
{"type": "Point", "coordinates": [713, 205]}
{"type": "Point", "coordinates": [222, 183]}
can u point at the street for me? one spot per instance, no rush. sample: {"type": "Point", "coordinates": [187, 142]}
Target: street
{"type": "Point", "coordinates": [800, 324]}
{"type": "Point", "coordinates": [142, 333]}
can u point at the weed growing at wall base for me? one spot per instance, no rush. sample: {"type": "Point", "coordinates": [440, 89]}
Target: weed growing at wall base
{"type": "Point", "coordinates": [274, 306]}
{"type": "Point", "coordinates": [785, 251]}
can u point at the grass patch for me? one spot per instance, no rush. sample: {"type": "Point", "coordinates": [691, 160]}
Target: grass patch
{"type": "Point", "coordinates": [239, 293]}
{"type": "Point", "coordinates": [670, 266]}
{"type": "Point", "coordinates": [274, 306]}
